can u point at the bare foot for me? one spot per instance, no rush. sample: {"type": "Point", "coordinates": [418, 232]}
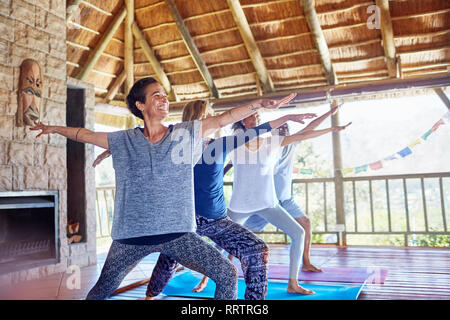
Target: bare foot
{"type": "Point", "coordinates": [149, 298]}
{"type": "Point", "coordinates": [295, 288]}
{"type": "Point", "coordinates": [310, 267]}
{"type": "Point", "coordinates": [201, 285]}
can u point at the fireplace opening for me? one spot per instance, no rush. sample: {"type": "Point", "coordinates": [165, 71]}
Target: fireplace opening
{"type": "Point", "coordinates": [76, 162]}
{"type": "Point", "coordinates": [28, 230]}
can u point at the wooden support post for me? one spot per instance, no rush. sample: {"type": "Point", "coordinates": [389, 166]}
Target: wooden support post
{"type": "Point", "coordinates": [101, 45]}
{"type": "Point", "coordinates": [319, 39]}
{"type": "Point", "coordinates": [387, 34]}
{"type": "Point", "coordinates": [443, 97]}
{"type": "Point", "coordinates": [192, 48]}
{"type": "Point", "coordinates": [250, 44]}
{"type": "Point", "coordinates": [115, 87]}
{"type": "Point", "coordinates": [129, 46]}
{"type": "Point", "coordinates": [338, 178]}
{"type": "Point", "coordinates": [160, 74]}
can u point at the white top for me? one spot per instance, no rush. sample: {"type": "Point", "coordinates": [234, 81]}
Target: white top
{"type": "Point", "coordinates": [283, 172]}
{"type": "Point", "coordinates": [253, 185]}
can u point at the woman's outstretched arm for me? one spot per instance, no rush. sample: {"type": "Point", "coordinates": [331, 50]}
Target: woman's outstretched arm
{"type": "Point", "coordinates": [316, 122]}
{"type": "Point", "coordinates": [310, 134]}
{"type": "Point", "coordinates": [212, 124]}
{"type": "Point", "coordinates": [83, 135]}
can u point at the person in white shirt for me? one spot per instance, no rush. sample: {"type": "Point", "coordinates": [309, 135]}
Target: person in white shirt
{"type": "Point", "coordinates": [283, 186]}
{"type": "Point", "coordinates": [254, 188]}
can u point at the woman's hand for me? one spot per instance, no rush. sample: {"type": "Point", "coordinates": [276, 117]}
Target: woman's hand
{"type": "Point", "coordinates": [340, 128]}
{"type": "Point", "coordinates": [40, 126]}
{"type": "Point", "coordinates": [275, 104]}
{"type": "Point", "coordinates": [101, 157]}
{"type": "Point", "coordinates": [300, 117]}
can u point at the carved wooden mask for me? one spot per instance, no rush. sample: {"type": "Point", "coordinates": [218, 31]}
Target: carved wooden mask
{"type": "Point", "coordinates": [29, 93]}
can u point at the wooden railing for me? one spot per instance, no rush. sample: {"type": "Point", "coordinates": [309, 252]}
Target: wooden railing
{"type": "Point", "coordinates": [411, 209]}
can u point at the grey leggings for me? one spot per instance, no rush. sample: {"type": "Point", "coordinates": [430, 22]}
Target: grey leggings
{"type": "Point", "coordinates": [190, 250]}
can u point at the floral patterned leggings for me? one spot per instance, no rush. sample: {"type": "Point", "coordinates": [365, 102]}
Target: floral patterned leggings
{"type": "Point", "coordinates": [236, 240]}
{"type": "Point", "coordinates": [190, 249]}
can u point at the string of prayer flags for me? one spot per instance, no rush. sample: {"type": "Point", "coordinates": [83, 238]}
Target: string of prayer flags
{"type": "Point", "coordinates": [377, 165]}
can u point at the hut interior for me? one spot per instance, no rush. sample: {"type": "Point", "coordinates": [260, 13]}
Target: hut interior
{"type": "Point", "coordinates": [226, 52]}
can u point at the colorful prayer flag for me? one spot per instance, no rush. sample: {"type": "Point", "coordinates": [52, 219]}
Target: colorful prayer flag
{"type": "Point", "coordinates": [322, 174]}
{"type": "Point", "coordinates": [376, 165]}
{"type": "Point", "coordinates": [391, 157]}
{"type": "Point", "coordinates": [347, 171]}
{"type": "Point", "coordinates": [427, 134]}
{"type": "Point", "coordinates": [415, 143]}
{"type": "Point", "coordinates": [405, 152]}
{"type": "Point", "coordinates": [361, 168]}
{"type": "Point", "coordinates": [306, 171]}
{"type": "Point", "coordinates": [437, 125]}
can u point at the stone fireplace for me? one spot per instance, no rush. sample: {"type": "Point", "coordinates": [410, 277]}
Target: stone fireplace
{"type": "Point", "coordinates": [29, 230]}
{"type": "Point", "coordinates": [41, 167]}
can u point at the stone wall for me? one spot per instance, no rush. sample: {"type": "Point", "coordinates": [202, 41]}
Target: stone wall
{"type": "Point", "coordinates": [37, 29]}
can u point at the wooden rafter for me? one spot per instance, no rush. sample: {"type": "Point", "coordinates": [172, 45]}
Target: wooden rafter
{"type": "Point", "coordinates": [387, 34]}
{"type": "Point", "coordinates": [161, 75]}
{"type": "Point", "coordinates": [129, 46]}
{"type": "Point", "coordinates": [443, 97]}
{"type": "Point", "coordinates": [319, 39]}
{"type": "Point", "coordinates": [101, 45]}
{"type": "Point", "coordinates": [192, 48]}
{"type": "Point", "coordinates": [115, 87]}
{"type": "Point", "coordinates": [250, 45]}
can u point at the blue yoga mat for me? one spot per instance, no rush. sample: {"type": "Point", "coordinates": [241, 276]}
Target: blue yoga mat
{"type": "Point", "coordinates": [182, 284]}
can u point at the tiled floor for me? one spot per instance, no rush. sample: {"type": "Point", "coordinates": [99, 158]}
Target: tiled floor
{"type": "Point", "coordinates": [63, 286]}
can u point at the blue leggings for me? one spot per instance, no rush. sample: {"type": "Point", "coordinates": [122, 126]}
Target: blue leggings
{"type": "Point", "coordinates": [190, 249]}
{"type": "Point", "coordinates": [233, 238]}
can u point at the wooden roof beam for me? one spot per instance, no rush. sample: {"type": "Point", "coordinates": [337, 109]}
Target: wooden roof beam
{"type": "Point", "coordinates": [161, 75]}
{"type": "Point", "coordinates": [319, 39]}
{"type": "Point", "coordinates": [129, 46]}
{"type": "Point", "coordinates": [387, 34]}
{"type": "Point", "coordinates": [443, 97]}
{"type": "Point", "coordinates": [192, 48]}
{"type": "Point", "coordinates": [251, 46]}
{"type": "Point", "coordinates": [101, 45]}
{"type": "Point", "coordinates": [115, 87]}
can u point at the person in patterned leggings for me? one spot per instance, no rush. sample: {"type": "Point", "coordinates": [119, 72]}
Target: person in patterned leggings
{"type": "Point", "coordinates": [210, 208]}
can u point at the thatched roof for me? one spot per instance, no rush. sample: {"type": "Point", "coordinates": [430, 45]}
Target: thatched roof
{"type": "Point", "coordinates": [289, 53]}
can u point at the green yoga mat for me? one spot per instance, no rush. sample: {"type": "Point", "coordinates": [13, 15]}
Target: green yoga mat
{"type": "Point", "coordinates": [181, 286]}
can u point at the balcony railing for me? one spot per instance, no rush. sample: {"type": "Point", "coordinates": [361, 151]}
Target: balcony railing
{"type": "Point", "coordinates": [411, 209]}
